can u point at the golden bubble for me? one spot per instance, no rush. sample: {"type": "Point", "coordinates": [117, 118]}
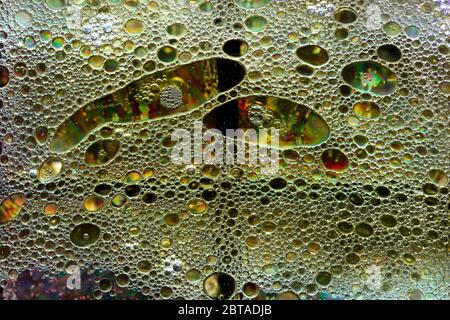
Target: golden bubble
{"type": "Point", "coordinates": [93, 203]}
{"type": "Point", "coordinates": [50, 169]}
{"type": "Point", "coordinates": [197, 206]}
{"type": "Point", "coordinates": [134, 26]}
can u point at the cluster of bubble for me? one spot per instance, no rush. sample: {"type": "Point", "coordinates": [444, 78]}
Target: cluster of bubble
{"type": "Point", "coordinates": [358, 209]}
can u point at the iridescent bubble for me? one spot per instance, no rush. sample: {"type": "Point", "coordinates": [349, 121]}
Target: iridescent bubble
{"type": "Point", "coordinates": [11, 207]}
{"type": "Point", "coordinates": [298, 125]}
{"type": "Point", "coordinates": [371, 77]}
{"type": "Point", "coordinates": [197, 206]}
{"type": "Point", "coordinates": [256, 23]}
{"type": "Point", "coordinates": [366, 110]}
{"type": "Point", "coordinates": [438, 177]}
{"type": "Point", "coordinates": [334, 160]}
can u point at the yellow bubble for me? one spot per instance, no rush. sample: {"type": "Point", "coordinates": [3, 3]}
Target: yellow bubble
{"type": "Point", "coordinates": [197, 206]}
{"type": "Point", "coordinates": [11, 207]}
{"type": "Point", "coordinates": [93, 203]}
{"type": "Point", "coordinates": [134, 26]}
{"type": "Point", "coordinates": [50, 169]}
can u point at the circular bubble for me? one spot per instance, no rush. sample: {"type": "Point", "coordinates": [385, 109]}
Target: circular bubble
{"type": "Point", "coordinates": [219, 286]}
{"type": "Point", "coordinates": [85, 235]}
{"type": "Point", "coordinates": [334, 160]}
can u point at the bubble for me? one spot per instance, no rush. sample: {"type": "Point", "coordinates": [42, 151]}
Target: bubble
{"type": "Point", "coordinates": [193, 275]}
{"type": "Point", "coordinates": [172, 219]}
{"type": "Point", "coordinates": [11, 207]}
{"type": "Point", "coordinates": [50, 169]}
{"type": "Point", "coordinates": [177, 30]}
{"type": "Point", "coordinates": [5, 251]}
{"type": "Point", "coordinates": [278, 183]}
{"type": "Point", "coordinates": [24, 18]}
{"type": "Point", "coordinates": [392, 29]}
{"type": "Point", "coordinates": [93, 203]}
{"type": "Point", "coordinates": [111, 65]}
{"type": "Point", "coordinates": [96, 62]}
{"type": "Point", "coordinates": [134, 26]}
{"type": "Point", "coordinates": [252, 4]}
{"type": "Point", "coordinates": [367, 110]}
{"type": "Point", "coordinates": [305, 70]}
{"type": "Point", "coordinates": [118, 200]}
{"type": "Point", "coordinates": [256, 23]}
{"type": "Point", "coordinates": [4, 76]}
{"type": "Point", "coordinates": [122, 280]}
{"type": "Point", "coordinates": [323, 278]}
{"type": "Point", "coordinates": [251, 290]}
{"type": "Point", "coordinates": [298, 125]}
{"type": "Point", "coordinates": [334, 160]}
{"type": "Point", "coordinates": [235, 47]}
{"type": "Point", "coordinates": [101, 152]}
{"type": "Point", "coordinates": [364, 229]}
{"type": "Point", "coordinates": [167, 54]}
{"type": "Point", "coordinates": [58, 43]}
{"type": "Point", "coordinates": [103, 189]}
{"type": "Point", "coordinates": [371, 77]}
{"type": "Point", "coordinates": [445, 87]}
{"type": "Point", "coordinates": [313, 55]}
{"type": "Point", "coordinates": [55, 4]}
{"type": "Point", "coordinates": [132, 190]}
{"type": "Point", "coordinates": [85, 235]}
{"type": "Point", "coordinates": [389, 53]}
{"type": "Point", "coordinates": [388, 220]}
{"type": "Point", "coordinates": [206, 6]}
{"type": "Point", "coordinates": [219, 286]}
{"type": "Point", "coordinates": [345, 15]}
{"type": "Point", "coordinates": [197, 206]}
{"type": "Point", "coordinates": [171, 97]}
{"type": "Point", "coordinates": [288, 295]}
